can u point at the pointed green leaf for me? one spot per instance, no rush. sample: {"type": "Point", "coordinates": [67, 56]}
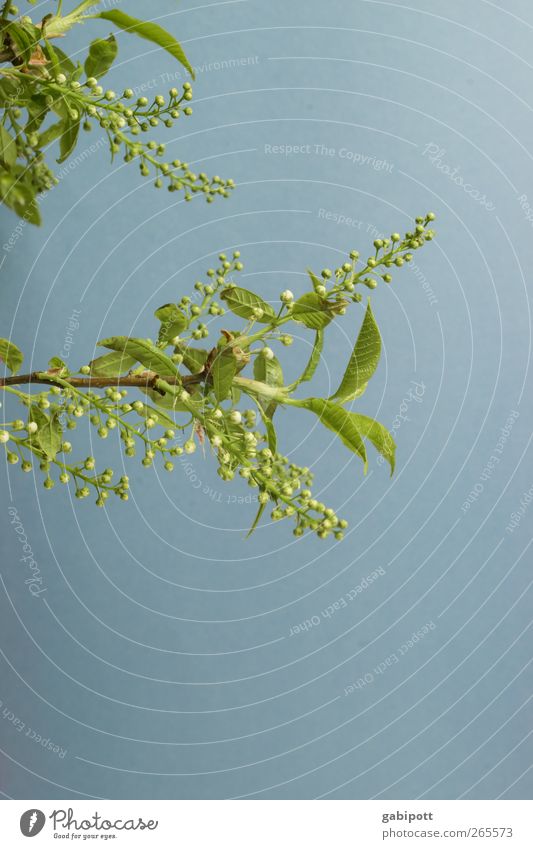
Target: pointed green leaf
{"type": "Point", "coordinates": [378, 435]}
{"type": "Point", "coordinates": [339, 420]}
{"type": "Point", "coordinates": [255, 523]}
{"type": "Point", "coordinates": [11, 355]}
{"type": "Point", "coordinates": [152, 32]}
{"type": "Point", "coordinates": [363, 362]}
{"type": "Point", "coordinates": [313, 361]}
{"type": "Point", "coordinates": [50, 134]}
{"type": "Point", "coordinates": [242, 302]}
{"type": "Point", "coordinates": [173, 322]}
{"type": "Point", "coordinates": [66, 65]}
{"type": "Point", "coordinates": [143, 351]}
{"type": "Point", "coordinates": [57, 366]}
{"type": "Point", "coordinates": [312, 310]}
{"type": "Point", "coordinates": [56, 363]}
{"type": "Point", "coordinates": [102, 54]}
{"type": "Point", "coordinates": [114, 364]}
{"type": "Point", "coordinates": [38, 109]}
{"type": "Point", "coordinates": [193, 358]}
{"type": "Point", "coordinates": [8, 148]}
{"type": "Point", "coordinates": [272, 437]}
{"type": "Point", "coordinates": [19, 196]}
{"type": "Point", "coordinates": [223, 370]}
{"type": "Point", "coordinates": [268, 371]}
{"type": "Point", "coordinates": [69, 137]}
{"type": "Point", "coordinates": [49, 431]}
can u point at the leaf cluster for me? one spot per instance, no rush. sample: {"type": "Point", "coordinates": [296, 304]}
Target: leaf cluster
{"type": "Point", "coordinates": [225, 394]}
{"type": "Point", "coordinates": [47, 97]}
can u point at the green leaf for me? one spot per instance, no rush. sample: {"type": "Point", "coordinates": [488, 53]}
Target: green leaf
{"type": "Point", "coordinates": [56, 362]}
{"type": "Point", "coordinates": [193, 358]}
{"type": "Point", "coordinates": [9, 92]}
{"type": "Point", "coordinates": [24, 38]}
{"type": "Point", "coordinates": [379, 436]}
{"type": "Point", "coordinates": [152, 32]}
{"type": "Point", "coordinates": [223, 370]}
{"type": "Point", "coordinates": [272, 437]}
{"type": "Point", "coordinates": [8, 148]}
{"type": "Point", "coordinates": [313, 361]}
{"type": "Point", "coordinates": [37, 111]}
{"type": "Point", "coordinates": [255, 523]}
{"type": "Point", "coordinates": [268, 371]}
{"type": "Point", "coordinates": [69, 137]}
{"type": "Point", "coordinates": [19, 196]}
{"type": "Point", "coordinates": [143, 351]}
{"type": "Point", "coordinates": [243, 303]}
{"type": "Point", "coordinates": [112, 365]}
{"type": "Point", "coordinates": [57, 365]}
{"type": "Point", "coordinates": [102, 54]}
{"type": "Point", "coordinates": [51, 134]}
{"type": "Point", "coordinates": [363, 361]}
{"type": "Point", "coordinates": [173, 322]}
{"type": "Point", "coordinates": [66, 65]}
{"type": "Point", "coordinates": [340, 421]}
{"type": "Point", "coordinates": [48, 435]}
{"type": "Point", "coordinates": [312, 310]}
{"type": "Point", "coordinates": [11, 355]}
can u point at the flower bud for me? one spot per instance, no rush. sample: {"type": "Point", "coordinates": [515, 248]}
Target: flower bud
{"type": "Point", "coordinates": [286, 296]}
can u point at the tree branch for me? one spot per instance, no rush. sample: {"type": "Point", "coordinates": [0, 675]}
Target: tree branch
{"type": "Point", "coordinates": [141, 381]}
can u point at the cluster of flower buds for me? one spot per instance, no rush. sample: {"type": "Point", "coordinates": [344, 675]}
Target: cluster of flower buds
{"type": "Point", "coordinates": [197, 394]}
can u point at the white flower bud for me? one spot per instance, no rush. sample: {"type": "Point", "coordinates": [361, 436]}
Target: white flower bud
{"type": "Point", "coordinates": [216, 442]}
{"type": "Point", "coordinates": [268, 353]}
{"type": "Point", "coordinates": [32, 427]}
{"type": "Point", "coordinates": [286, 296]}
{"type": "Point", "coordinates": [4, 436]}
{"type": "Point", "coordinates": [235, 417]}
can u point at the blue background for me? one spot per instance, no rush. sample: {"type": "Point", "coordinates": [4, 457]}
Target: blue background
{"type": "Point", "coordinates": [160, 656]}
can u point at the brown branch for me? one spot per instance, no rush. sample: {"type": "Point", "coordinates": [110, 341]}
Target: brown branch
{"type": "Point", "coordinates": [146, 380]}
